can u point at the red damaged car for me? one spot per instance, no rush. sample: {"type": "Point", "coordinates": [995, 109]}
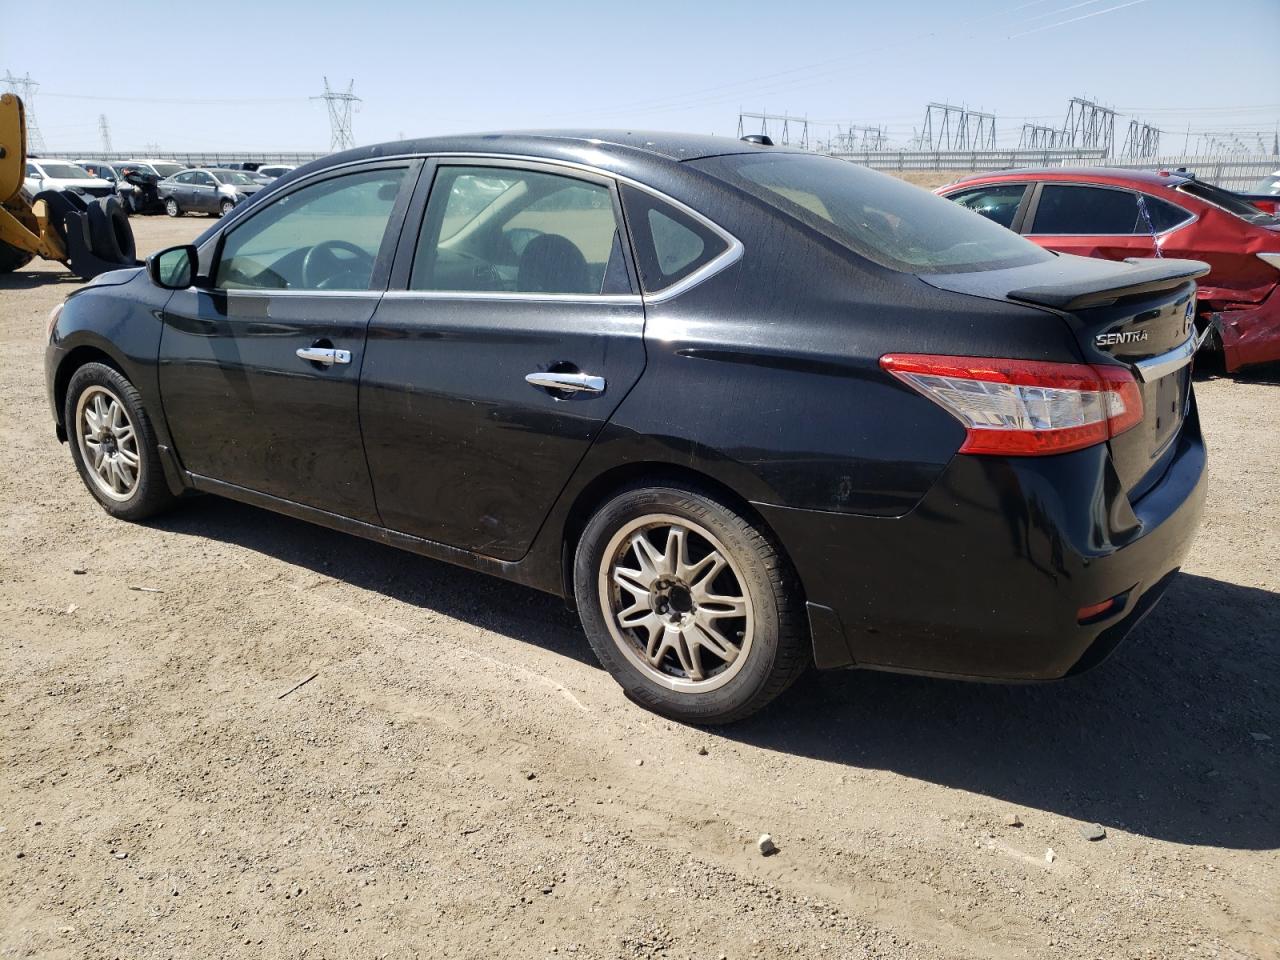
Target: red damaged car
{"type": "Point", "coordinates": [1116, 214]}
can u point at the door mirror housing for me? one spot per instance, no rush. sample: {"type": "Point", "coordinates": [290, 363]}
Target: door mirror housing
{"type": "Point", "coordinates": [174, 268]}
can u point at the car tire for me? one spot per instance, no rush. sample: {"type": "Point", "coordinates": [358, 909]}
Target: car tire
{"type": "Point", "coordinates": [704, 633]}
{"type": "Point", "coordinates": [225, 208]}
{"type": "Point", "coordinates": [110, 231]}
{"type": "Point", "coordinates": [171, 207]}
{"type": "Point", "coordinates": [12, 258]}
{"type": "Point", "coordinates": [113, 443]}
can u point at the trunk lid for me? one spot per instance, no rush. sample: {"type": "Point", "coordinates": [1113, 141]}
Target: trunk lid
{"type": "Point", "coordinates": [1139, 313]}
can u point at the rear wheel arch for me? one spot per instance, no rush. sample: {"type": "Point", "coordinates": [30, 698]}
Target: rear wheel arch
{"type": "Point", "coordinates": [611, 482]}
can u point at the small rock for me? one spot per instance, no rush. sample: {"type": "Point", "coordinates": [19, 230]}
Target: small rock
{"type": "Point", "coordinates": [1012, 820]}
{"type": "Point", "coordinates": [766, 845]}
{"type": "Point", "coordinates": [121, 855]}
{"type": "Point", "coordinates": [1093, 831]}
{"type": "Point", "coordinates": [1050, 856]}
{"type": "Point", "coordinates": [548, 888]}
{"type": "Point", "coordinates": [702, 751]}
{"type": "Point", "coordinates": [79, 571]}
{"type": "Point", "coordinates": [72, 609]}
{"type": "Point", "coordinates": [639, 763]}
{"type": "Point", "coordinates": [1259, 736]}
{"type": "Point", "coordinates": [530, 775]}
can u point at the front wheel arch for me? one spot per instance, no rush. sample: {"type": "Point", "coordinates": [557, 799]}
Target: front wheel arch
{"type": "Point", "coordinates": [73, 361]}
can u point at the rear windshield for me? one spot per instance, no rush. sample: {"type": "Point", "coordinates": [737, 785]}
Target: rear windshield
{"type": "Point", "coordinates": [232, 176]}
{"type": "Point", "coordinates": [167, 169]}
{"type": "Point", "coordinates": [884, 219]}
{"type": "Point", "coordinates": [1228, 201]}
{"type": "Point", "coordinates": [1268, 185]}
{"type": "Point", "coordinates": [66, 171]}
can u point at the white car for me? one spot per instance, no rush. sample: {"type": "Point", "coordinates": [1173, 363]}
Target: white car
{"type": "Point", "coordinates": [161, 168]}
{"type": "Point", "coordinates": [61, 175]}
{"type": "Point", "coordinates": [272, 171]}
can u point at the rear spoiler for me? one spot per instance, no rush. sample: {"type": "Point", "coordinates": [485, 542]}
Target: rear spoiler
{"type": "Point", "coordinates": [1144, 276]}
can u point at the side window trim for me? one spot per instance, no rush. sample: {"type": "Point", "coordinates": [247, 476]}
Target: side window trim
{"type": "Point", "coordinates": [727, 257]}
{"type": "Point", "coordinates": [386, 250]}
{"type": "Point", "coordinates": [415, 219]}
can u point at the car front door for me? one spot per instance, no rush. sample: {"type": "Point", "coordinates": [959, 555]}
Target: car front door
{"type": "Point", "coordinates": [204, 192]}
{"type": "Point", "coordinates": [260, 363]}
{"type": "Point", "coordinates": [512, 330]}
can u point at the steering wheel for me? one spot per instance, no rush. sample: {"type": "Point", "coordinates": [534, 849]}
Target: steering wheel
{"type": "Point", "coordinates": [322, 262]}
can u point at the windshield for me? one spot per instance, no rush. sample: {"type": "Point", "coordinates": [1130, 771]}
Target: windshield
{"type": "Point", "coordinates": [1228, 201]}
{"type": "Point", "coordinates": [166, 169]}
{"type": "Point", "coordinates": [884, 219]}
{"type": "Point", "coordinates": [1267, 186]}
{"type": "Point", "coordinates": [66, 171]}
{"type": "Point", "coordinates": [233, 177]}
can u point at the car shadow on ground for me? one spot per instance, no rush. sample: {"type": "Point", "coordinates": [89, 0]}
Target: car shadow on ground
{"type": "Point", "coordinates": [1165, 739]}
{"type": "Point", "coordinates": [30, 279]}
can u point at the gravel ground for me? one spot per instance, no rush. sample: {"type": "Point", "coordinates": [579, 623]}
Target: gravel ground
{"type": "Point", "coordinates": [460, 779]}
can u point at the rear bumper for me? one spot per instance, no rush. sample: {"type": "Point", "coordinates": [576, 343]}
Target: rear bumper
{"type": "Point", "coordinates": [985, 578]}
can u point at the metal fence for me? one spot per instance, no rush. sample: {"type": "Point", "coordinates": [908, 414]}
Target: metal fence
{"type": "Point", "coordinates": [192, 159]}
{"type": "Point", "coordinates": [1230, 171]}
{"type": "Point", "coordinates": [976, 160]}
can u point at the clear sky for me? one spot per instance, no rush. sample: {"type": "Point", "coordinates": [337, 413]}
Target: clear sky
{"type": "Point", "coordinates": [237, 75]}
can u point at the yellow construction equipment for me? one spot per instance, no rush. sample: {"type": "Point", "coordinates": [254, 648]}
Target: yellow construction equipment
{"type": "Point", "coordinates": [89, 236]}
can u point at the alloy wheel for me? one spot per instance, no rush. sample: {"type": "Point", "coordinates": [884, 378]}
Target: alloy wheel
{"type": "Point", "coordinates": [675, 603]}
{"type": "Point", "coordinates": [108, 443]}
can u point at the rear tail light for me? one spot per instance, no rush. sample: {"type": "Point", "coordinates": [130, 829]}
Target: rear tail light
{"type": "Point", "coordinates": [1025, 407]}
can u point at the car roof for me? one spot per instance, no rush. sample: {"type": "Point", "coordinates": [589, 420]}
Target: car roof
{"type": "Point", "coordinates": [601, 148]}
{"type": "Point", "coordinates": [1148, 177]}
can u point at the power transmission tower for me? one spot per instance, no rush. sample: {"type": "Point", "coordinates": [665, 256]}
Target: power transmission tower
{"type": "Point", "coordinates": [25, 88]}
{"type": "Point", "coordinates": [1036, 136]}
{"type": "Point", "coordinates": [1142, 142]}
{"type": "Point", "coordinates": [1089, 126]}
{"type": "Point", "coordinates": [783, 123]}
{"type": "Point", "coordinates": [948, 127]}
{"type": "Point", "coordinates": [340, 107]}
{"type": "Point", "coordinates": [105, 131]}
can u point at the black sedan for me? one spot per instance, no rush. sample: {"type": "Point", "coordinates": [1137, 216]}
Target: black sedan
{"type": "Point", "coordinates": [748, 409]}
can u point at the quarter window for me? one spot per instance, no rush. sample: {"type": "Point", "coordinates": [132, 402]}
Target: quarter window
{"type": "Point", "coordinates": [325, 236]}
{"type": "Point", "coordinates": [1087, 211]}
{"type": "Point", "coordinates": [998, 203]}
{"type": "Point", "coordinates": [1164, 215]}
{"type": "Point", "coordinates": [501, 230]}
{"type": "Point", "coordinates": [670, 244]}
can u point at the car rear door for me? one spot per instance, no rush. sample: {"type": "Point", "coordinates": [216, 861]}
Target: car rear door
{"type": "Point", "coordinates": [204, 192]}
{"type": "Point", "coordinates": [1089, 220]}
{"type": "Point", "coordinates": [260, 365]}
{"type": "Point", "coordinates": [511, 332]}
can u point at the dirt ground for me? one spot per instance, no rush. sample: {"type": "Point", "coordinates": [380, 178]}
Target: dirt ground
{"type": "Point", "coordinates": [460, 780]}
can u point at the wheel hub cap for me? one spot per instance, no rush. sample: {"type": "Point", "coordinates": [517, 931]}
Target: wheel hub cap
{"type": "Point", "coordinates": [675, 604]}
{"type": "Point", "coordinates": [108, 443]}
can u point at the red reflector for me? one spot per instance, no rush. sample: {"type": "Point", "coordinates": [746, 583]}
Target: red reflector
{"type": "Point", "coordinates": [1024, 407]}
{"type": "Point", "coordinates": [1095, 610]}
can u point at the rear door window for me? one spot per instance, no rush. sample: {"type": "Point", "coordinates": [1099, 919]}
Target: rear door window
{"type": "Point", "coordinates": [670, 245]}
{"type": "Point", "coordinates": [1086, 211]}
{"type": "Point", "coordinates": [517, 231]}
{"type": "Point", "coordinates": [998, 202]}
{"type": "Point", "coordinates": [1164, 215]}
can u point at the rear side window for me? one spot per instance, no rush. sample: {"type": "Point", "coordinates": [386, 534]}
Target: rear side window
{"type": "Point", "coordinates": [998, 203]}
{"type": "Point", "coordinates": [670, 244]}
{"type": "Point", "coordinates": [883, 219]}
{"type": "Point", "coordinates": [1164, 215]}
{"type": "Point", "coordinates": [1086, 210]}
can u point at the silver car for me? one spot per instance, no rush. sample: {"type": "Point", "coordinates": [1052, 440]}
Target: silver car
{"type": "Point", "coordinates": [206, 191]}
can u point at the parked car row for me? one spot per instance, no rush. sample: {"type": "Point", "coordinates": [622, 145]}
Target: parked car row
{"type": "Point", "coordinates": [149, 186]}
{"type": "Point", "coordinates": [1120, 214]}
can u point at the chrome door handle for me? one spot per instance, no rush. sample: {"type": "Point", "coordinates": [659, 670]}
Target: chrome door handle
{"type": "Point", "coordinates": [326, 355]}
{"type": "Point", "coordinates": [568, 382]}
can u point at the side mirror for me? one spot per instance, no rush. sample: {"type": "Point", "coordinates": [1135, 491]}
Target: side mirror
{"type": "Point", "coordinates": [174, 268]}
